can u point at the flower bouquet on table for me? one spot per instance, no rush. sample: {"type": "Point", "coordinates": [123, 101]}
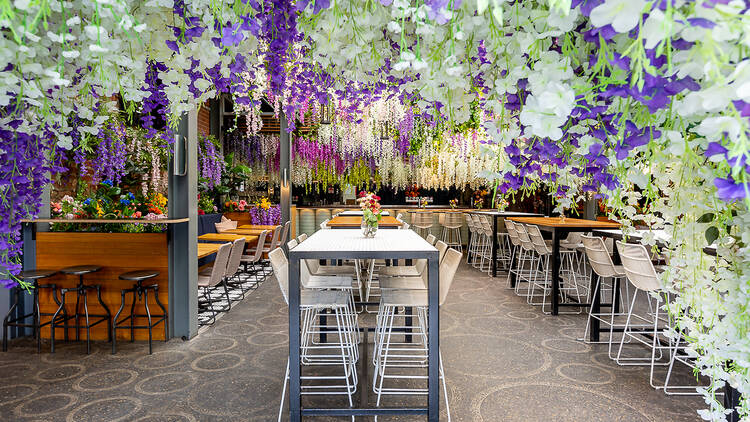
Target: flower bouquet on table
{"type": "Point", "coordinates": [453, 203]}
{"type": "Point", "coordinates": [501, 203]}
{"type": "Point", "coordinates": [371, 212]}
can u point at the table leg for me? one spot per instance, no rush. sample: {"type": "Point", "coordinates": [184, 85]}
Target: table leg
{"type": "Point", "coordinates": [555, 272]}
{"type": "Point", "coordinates": [494, 246]}
{"type": "Point", "coordinates": [595, 308]}
{"type": "Point", "coordinates": [433, 340]}
{"type": "Point", "coordinates": [295, 389]}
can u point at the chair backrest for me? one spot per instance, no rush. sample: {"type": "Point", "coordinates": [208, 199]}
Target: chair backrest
{"type": "Point", "coordinates": [404, 225]}
{"type": "Point", "coordinates": [638, 266]}
{"type": "Point", "coordinates": [285, 233]}
{"type": "Point", "coordinates": [535, 235]}
{"type": "Point", "coordinates": [432, 239]}
{"type": "Point", "coordinates": [469, 222]}
{"type": "Point", "coordinates": [400, 217]}
{"type": "Point", "coordinates": [302, 237]}
{"type": "Point", "coordinates": [523, 236]}
{"type": "Point", "coordinates": [486, 225]}
{"type": "Point", "coordinates": [423, 220]}
{"type": "Point", "coordinates": [324, 224]}
{"type": "Point", "coordinates": [512, 233]}
{"type": "Point", "coordinates": [598, 256]}
{"type": "Point", "coordinates": [219, 267]}
{"type": "Point", "coordinates": [262, 239]}
{"type": "Point", "coordinates": [235, 257]}
{"type": "Point", "coordinates": [442, 248]}
{"type": "Point", "coordinates": [448, 269]}
{"type": "Point", "coordinates": [280, 266]}
{"type": "Point", "coordinates": [574, 238]}
{"type": "Point", "coordinates": [276, 239]}
{"type": "Point", "coordinates": [292, 244]}
{"type": "Point", "coordinates": [453, 220]}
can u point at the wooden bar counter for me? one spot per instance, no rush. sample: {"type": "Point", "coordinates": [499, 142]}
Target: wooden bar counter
{"type": "Point", "coordinates": [116, 253]}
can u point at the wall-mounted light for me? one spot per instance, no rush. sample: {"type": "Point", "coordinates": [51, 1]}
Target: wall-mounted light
{"type": "Point", "coordinates": [179, 164]}
{"type": "Point", "coordinates": [285, 180]}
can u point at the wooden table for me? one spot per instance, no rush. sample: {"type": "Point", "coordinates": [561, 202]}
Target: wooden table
{"type": "Point", "coordinates": [258, 226]}
{"type": "Point", "coordinates": [352, 222]}
{"type": "Point", "coordinates": [228, 237]}
{"type": "Point", "coordinates": [358, 213]}
{"type": "Point", "coordinates": [559, 229]}
{"type": "Point", "coordinates": [250, 232]}
{"type": "Point", "coordinates": [495, 216]}
{"type": "Point", "coordinates": [206, 249]}
{"type": "Point", "coordinates": [351, 244]}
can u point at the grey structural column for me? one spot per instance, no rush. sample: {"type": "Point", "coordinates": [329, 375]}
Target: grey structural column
{"type": "Point", "coordinates": [285, 169]}
{"type": "Point", "coordinates": [183, 237]}
{"type": "Point", "coordinates": [589, 209]}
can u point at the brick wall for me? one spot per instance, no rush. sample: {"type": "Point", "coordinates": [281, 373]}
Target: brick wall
{"type": "Point", "coordinates": [204, 119]}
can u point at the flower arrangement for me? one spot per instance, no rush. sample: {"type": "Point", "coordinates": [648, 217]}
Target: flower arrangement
{"type": "Point", "coordinates": [501, 203]}
{"type": "Point", "coordinates": [371, 212]}
{"type": "Point", "coordinates": [479, 196]}
{"type": "Point", "coordinates": [412, 192]}
{"type": "Point", "coordinates": [423, 202]}
{"type": "Point", "coordinates": [231, 206]}
{"type": "Point", "coordinates": [453, 203]}
{"type": "Point", "coordinates": [110, 203]}
{"type": "Point", "coordinates": [263, 212]}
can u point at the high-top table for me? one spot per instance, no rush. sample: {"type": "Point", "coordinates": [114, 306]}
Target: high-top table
{"type": "Point", "coordinates": [351, 244]}
{"type": "Point", "coordinates": [560, 228]}
{"type": "Point", "coordinates": [352, 222]}
{"type": "Point", "coordinates": [496, 215]}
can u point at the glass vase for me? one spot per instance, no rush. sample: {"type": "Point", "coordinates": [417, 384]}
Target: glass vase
{"type": "Point", "coordinates": [369, 230]}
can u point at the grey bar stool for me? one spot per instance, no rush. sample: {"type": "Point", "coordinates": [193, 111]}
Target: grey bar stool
{"type": "Point", "coordinates": [33, 277]}
{"type": "Point", "coordinates": [142, 292]}
{"type": "Point", "coordinates": [81, 291]}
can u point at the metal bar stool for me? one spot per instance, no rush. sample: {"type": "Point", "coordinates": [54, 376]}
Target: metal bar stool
{"type": "Point", "coordinates": [81, 292]}
{"type": "Point", "coordinates": [142, 292]}
{"type": "Point", "coordinates": [33, 277]}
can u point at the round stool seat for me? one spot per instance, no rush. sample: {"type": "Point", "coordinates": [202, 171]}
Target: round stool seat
{"type": "Point", "coordinates": [36, 274]}
{"type": "Point", "coordinates": [139, 275]}
{"type": "Point", "coordinates": [80, 269]}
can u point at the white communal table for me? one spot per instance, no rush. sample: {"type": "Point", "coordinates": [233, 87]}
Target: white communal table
{"type": "Point", "coordinates": [351, 244]}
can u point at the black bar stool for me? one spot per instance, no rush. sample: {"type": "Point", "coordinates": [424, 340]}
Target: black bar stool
{"type": "Point", "coordinates": [142, 292]}
{"type": "Point", "coordinates": [81, 292]}
{"type": "Point", "coordinates": [31, 276]}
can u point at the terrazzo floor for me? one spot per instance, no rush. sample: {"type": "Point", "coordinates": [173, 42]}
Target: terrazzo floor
{"type": "Point", "coordinates": [504, 361]}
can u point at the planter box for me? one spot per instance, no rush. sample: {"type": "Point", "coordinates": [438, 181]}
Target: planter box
{"type": "Point", "coordinates": [117, 253]}
{"type": "Point", "coordinates": [241, 217]}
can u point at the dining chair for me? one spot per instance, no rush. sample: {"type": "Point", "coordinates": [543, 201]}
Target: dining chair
{"type": "Point", "coordinates": [431, 239]}
{"type": "Point", "coordinates": [601, 264]}
{"type": "Point", "coordinates": [324, 224]}
{"type": "Point", "coordinates": [565, 272]}
{"type": "Point", "coordinates": [285, 233]}
{"type": "Point", "coordinates": [401, 357]}
{"type": "Point", "coordinates": [341, 345]}
{"type": "Point", "coordinates": [452, 223]}
{"type": "Point", "coordinates": [254, 259]}
{"type": "Point", "coordinates": [653, 328]}
{"type": "Point", "coordinates": [302, 237]}
{"type": "Point", "coordinates": [232, 276]}
{"type": "Point", "coordinates": [209, 280]}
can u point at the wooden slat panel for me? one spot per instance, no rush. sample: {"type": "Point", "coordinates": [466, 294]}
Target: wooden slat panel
{"type": "Point", "coordinates": [117, 253]}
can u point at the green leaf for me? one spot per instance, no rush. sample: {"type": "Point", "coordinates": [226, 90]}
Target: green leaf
{"type": "Point", "coordinates": [712, 233]}
{"type": "Point", "coordinates": [706, 218]}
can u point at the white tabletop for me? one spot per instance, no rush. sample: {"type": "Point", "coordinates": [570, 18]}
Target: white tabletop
{"type": "Point", "coordinates": [351, 243]}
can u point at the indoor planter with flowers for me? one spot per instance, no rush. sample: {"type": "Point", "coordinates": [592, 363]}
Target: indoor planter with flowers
{"type": "Point", "coordinates": [371, 213]}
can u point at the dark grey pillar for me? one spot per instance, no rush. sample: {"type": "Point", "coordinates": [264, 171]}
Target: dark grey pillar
{"type": "Point", "coordinates": [589, 209]}
{"type": "Point", "coordinates": [183, 238]}
{"type": "Point", "coordinates": [285, 168]}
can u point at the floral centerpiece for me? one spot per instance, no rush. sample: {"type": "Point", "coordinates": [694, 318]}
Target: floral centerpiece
{"type": "Point", "coordinates": [232, 206]}
{"type": "Point", "coordinates": [422, 202]}
{"type": "Point", "coordinates": [370, 204]}
{"type": "Point", "coordinates": [264, 213]}
{"type": "Point", "coordinates": [453, 203]}
{"type": "Point", "coordinates": [501, 203]}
